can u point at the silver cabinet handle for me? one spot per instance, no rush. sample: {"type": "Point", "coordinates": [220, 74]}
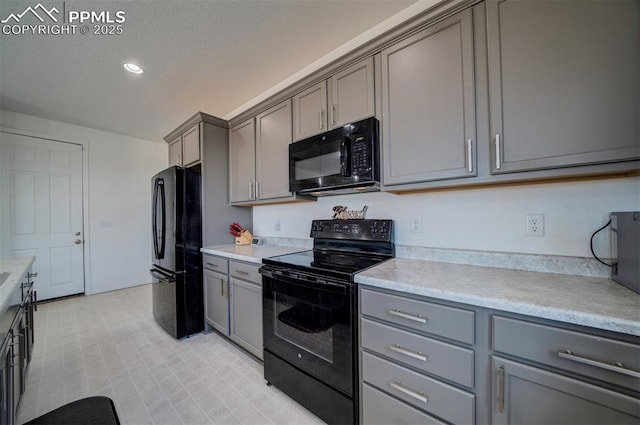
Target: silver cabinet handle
{"type": "Point", "coordinates": [222, 288]}
{"type": "Point", "coordinates": [257, 189]}
{"type": "Point", "coordinates": [498, 151]}
{"type": "Point", "coordinates": [333, 113]}
{"type": "Point", "coordinates": [250, 190]}
{"type": "Point", "coordinates": [77, 242]}
{"type": "Point", "coordinates": [32, 274]}
{"type": "Point", "coordinates": [469, 156]}
{"type": "Point", "coordinates": [418, 395]}
{"type": "Point", "coordinates": [241, 272]}
{"type": "Point", "coordinates": [418, 318]}
{"type": "Point", "coordinates": [414, 354]}
{"type": "Point", "coordinates": [615, 367]}
{"type": "Point", "coordinates": [321, 118]}
{"type": "Point", "coordinates": [501, 389]}
{"type": "Point", "coordinates": [215, 266]}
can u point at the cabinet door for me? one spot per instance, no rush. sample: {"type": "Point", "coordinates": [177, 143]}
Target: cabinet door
{"type": "Point", "coordinates": [216, 293]}
{"type": "Point", "coordinates": [242, 162]}
{"type": "Point", "coordinates": [527, 395]}
{"type": "Point", "coordinates": [564, 78]}
{"type": "Point", "coordinates": [273, 136]}
{"type": "Point", "coordinates": [175, 152]}
{"type": "Point", "coordinates": [191, 145]}
{"type": "Point", "coordinates": [351, 94]}
{"type": "Point", "coordinates": [246, 315]}
{"type": "Point", "coordinates": [428, 104]}
{"type": "Point", "coordinates": [310, 111]}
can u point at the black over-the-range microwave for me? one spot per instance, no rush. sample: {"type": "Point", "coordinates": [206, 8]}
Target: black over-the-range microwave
{"type": "Point", "coordinates": [340, 161]}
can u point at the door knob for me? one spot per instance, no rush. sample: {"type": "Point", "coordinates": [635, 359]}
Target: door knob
{"type": "Point", "coordinates": [77, 233]}
{"type": "Point", "coordinates": [77, 242]}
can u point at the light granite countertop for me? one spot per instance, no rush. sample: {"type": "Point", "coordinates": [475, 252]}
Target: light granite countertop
{"type": "Point", "coordinates": [16, 268]}
{"type": "Point", "coordinates": [249, 253]}
{"type": "Point", "coordinates": [587, 301]}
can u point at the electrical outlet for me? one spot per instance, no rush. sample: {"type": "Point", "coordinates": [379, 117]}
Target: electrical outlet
{"type": "Point", "coordinates": [415, 224]}
{"type": "Point", "coordinates": [276, 226]}
{"type": "Point", "coordinates": [535, 224]}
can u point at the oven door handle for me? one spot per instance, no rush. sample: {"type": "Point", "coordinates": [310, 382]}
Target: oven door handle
{"type": "Point", "coordinates": [295, 278]}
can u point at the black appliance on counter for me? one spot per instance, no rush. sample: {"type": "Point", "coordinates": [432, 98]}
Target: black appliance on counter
{"type": "Point", "coordinates": [310, 315]}
{"type": "Point", "coordinates": [177, 264]}
{"type": "Point", "coordinates": [340, 161]}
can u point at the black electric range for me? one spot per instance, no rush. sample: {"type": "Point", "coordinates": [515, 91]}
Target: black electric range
{"type": "Point", "coordinates": [310, 315]}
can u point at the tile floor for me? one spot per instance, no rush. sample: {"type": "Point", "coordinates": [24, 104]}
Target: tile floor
{"type": "Point", "coordinates": [108, 344]}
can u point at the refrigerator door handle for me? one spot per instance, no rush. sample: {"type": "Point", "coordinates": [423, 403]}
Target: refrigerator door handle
{"type": "Point", "coordinates": [159, 245]}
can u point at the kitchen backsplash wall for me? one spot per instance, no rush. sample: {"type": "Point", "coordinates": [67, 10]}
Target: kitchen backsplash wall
{"type": "Point", "coordinates": [483, 219]}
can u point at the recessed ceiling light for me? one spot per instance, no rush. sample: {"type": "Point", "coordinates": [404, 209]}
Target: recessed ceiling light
{"type": "Point", "coordinates": [132, 67]}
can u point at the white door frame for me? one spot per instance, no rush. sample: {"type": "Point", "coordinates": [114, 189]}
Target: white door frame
{"type": "Point", "coordinates": [88, 290]}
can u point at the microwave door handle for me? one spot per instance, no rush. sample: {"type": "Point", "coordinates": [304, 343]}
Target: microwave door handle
{"type": "Point", "coordinates": [345, 158]}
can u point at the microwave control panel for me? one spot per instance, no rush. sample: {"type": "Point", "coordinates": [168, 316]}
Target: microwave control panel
{"type": "Point", "coordinates": [360, 156]}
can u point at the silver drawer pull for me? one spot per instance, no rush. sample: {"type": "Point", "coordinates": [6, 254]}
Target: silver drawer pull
{"type": "Point", "coordinates": [616, 367]}
{"type": "Point", "coordinates": [242, 272]}
{"type": "Point", "coordinates": [212, 265]}
{"type": "Point", "coordinates": [396, 312]}
{"type": "Point", "coordinates": [415, 354]}
{"type": "Point", "coordinates": [397, 385]}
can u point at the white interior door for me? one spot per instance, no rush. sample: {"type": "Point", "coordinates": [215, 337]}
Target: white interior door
{"type": "Point", "coordinates": [42, 210]}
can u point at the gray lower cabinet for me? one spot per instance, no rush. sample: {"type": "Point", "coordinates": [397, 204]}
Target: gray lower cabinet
{"type": "Point", "coordinates": [556, 376]}
{"type": "Point", "coordinates": [564, 78]}
{"type": "Point", "coordinates": [410, 372]}
{"type": "Point", "coordinates": [217, 304]}
{"type": "Point", "coordinates": [233, 301]}
{"type": "Point", "coordinates": [428, 104]}
{"type": "Point", "coordinates": [246, 306]}
{"type": "Point", "coordinates": [529, 395]}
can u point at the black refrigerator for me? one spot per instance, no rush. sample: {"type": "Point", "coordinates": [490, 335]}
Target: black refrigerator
{"type": "Point", "coordinates": [177, 238]}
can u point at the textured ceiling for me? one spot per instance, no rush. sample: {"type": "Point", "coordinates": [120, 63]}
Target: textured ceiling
{"type": "Point", "coordinates": [210, 56]}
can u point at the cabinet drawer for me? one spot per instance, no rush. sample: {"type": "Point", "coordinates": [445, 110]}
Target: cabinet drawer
{"type": "Point", "coordinates": [245, 271]}
{"type": "Point", "coordinates": [577, 352]}
{"type": "Point", "coordinates": [438, 358]}
{"type": "Point", "coordinates": [448, 322]}
{"type": "Point", "coordinates": [217, 264]}
{"type": "Point", "coordinates": [381, 409]}
{"type": "Point", "coordinates": [425, 393]}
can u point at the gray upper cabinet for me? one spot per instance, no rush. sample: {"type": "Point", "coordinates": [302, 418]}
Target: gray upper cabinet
{"type": "Point", "coordinates": [184, 150]}
{"type": "Point", "coordinates": [242, 160]}
{"type": "Point", "coordinates": [191, 145]}
{"type": "Point", "coordinates": [564, 78]}
{"type": "Point", "coordinates": [428, 104]}
{"type": "Point", "coordinates": [273, 136]}
{"type": "Point", "coordinates": [175, 152]}
{"type": "Point", "coordinates": [310, 111]}
{"type": "Point", "coordinates": [351, 94]}
{"type": "Point", "coordinates": [345, 97]}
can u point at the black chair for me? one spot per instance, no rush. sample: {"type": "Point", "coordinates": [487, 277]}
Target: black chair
{"type": "Point", "coordinates": [98, 410]}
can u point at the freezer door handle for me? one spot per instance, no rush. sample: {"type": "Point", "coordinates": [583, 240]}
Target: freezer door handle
{"type": "Point", "coordinates": [161, 276]}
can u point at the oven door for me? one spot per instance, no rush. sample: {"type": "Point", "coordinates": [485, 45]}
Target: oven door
{"type": "Point", "coordinates": [309, 324]}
